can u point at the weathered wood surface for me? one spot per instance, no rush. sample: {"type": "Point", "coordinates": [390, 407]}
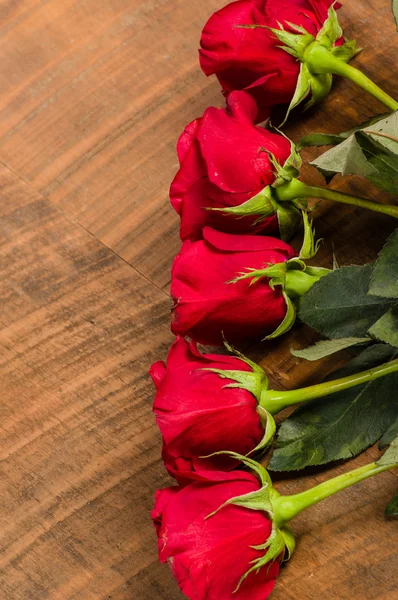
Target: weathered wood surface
{"type": "Point", "coordinates": [93, 97]}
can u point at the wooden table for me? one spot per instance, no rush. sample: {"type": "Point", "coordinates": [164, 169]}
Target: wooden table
{"type": "Point", "coordinates": [93, 96]}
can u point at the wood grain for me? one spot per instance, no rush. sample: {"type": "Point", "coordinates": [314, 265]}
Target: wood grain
{"type": "Point", "coordinates": [94, 95]}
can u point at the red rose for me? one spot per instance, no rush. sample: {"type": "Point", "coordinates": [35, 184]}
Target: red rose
{"type": "Point", "coordinates": [209, 556]}
{"type": "Point", "coordinates": [224, 161]}
{"type": "Point", "coordinates": [250, 59]}
{"type": "Point", "coordinates": [198, 415]}
{"type": "Point", "coordinates": [206, 306]}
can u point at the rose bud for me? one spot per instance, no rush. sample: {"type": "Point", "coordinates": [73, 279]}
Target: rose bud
{"type": "Point", "coordinates": [210, 556]}
{"type": "Point", "coordinates": [224, 161]}
{"type": "Point", "coordinates": [237, 287]}
{"type": "Point", "coordinates": [225, 536]}
{"type": "Point", "coordinates": [281, 52]}
{"type": "Point", "coordinates": [200, 412]}
{"type": "Point", "coordinates": [241, 178]}
{"type": "Point", "coordinates": [207, 404]}
{"type": "Point", "coordinates": [240, 46]}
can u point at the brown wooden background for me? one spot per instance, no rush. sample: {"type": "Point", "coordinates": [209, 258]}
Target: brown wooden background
{"type": "Point", "coordinates": [93, 94]}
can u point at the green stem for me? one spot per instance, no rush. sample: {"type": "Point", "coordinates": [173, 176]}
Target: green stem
{"type": "Point", "coordinates": [275, 401]}
{"type": "Point", "coordinates": [297, 189]}
{"type": "Point", "coordinates": [286, 508]}
{"type": "Point", "coordinates": [320, 60]}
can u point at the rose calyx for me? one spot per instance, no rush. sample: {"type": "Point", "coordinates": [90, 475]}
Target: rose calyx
{"type": "Point", "coordinates": [315, 79]}
{"type": "Point", "coordinates": [293, 276]}
{"type": "Point", "coordinates": [280, 544]}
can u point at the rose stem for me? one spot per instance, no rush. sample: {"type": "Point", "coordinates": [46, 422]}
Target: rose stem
{"type": "Point", "coordinates": [319, 60]}
{"type": "Point", "coordinates": [286, 508]}
{"type": "Point", "coordinates": [274, 401]}
{"type": "Point", "coordinates": [297, 189]}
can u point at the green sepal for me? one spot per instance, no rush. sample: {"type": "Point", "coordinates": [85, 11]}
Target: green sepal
{"type": "Point", "coordinates": [302, 91]}
{"type": "Point", "coordinates": [321, 84]}
{"type": "Point", "coordinates": [296, 264]}
{"type": "Point", "coordinates": [317, 271]}
{"type": "Point", "coordinates": [295, 27]}
{"type": "Point", "coordinates": [261, 204]}
{"type": "Point", "coordinates": [300, 281]}
{"type": "Point", "coordinates": [260, 499]}
{"type": "Point", "coordinates": [314, 86]}
{"type": "Point", "coordinates": [287, 322]}
{"type": "Point", "coordinates": [289, 219]}
{"type": "Point", "coordinates": [293, 43]}
{"type": "Point", "coordinates": [244, 380]}
{"type": "Point", "coordinates": [310, 246]}
{"type": "Point", "coordinates": [258, 468]}
{"type": "Point", "coordinates": [290, 169]}
{"type": "Point", "coordinates": [275, 273]}
{"type": "Point", "coordinates": [294, 277]}
{"type": "Point", "coordinates": [346, 51]}
{"type": "Point", "coordinates": [331, 30]}
{"type": "Point", "coordinates": [281, 543]}
{"type": "Point", "coordinates": [254, 381]}
{"type": "Point", "coordinates": [290, 541]}
{"type": "Point", "coordinates": [256, 367]}
{"type": "Point", "coordinates": [268, 422]}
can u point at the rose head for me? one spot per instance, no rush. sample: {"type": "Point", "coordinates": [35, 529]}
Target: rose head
{"type": "Point", "coordinates": [225, 535]}
{"type": "Point", "coordinates": [224, 161]}
{"type": "Point", "coordinates": [251, 58]}
{"type": "Point", "coordinates": [210, 556]}
{"type": "Point", "coordinates": [198, 414]}
{"type": "Point", "coordinates": [207, 306]}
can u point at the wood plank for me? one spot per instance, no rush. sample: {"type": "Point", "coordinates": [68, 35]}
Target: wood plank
{"type": "Point", "coordinates": [80, 450]}
{"type": "Point", "coordinates": [94, 95]}
{"type": "Point", "coordinates": [79, 446]}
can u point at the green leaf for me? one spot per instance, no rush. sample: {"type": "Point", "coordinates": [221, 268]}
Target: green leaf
{"type": "Point", "coordinates": [327, 347]}
{"type": "Point", "coordinates": [319, 139]}
{"type": "Point", "coordinates": [390, 456]}
{"type": "Point", "coordinates": [347, 158]}
{"type": "Point", "coordinates": [391, 511]}
{"type": "Point", "coordinates": [386, 328]}
{"type": "Point", "coordinates": [384, 280]}
{"type": "Point", "coordinates": [327, 139]}
{"type": "Point", "coordinates": [390, 435]}
{"type": "Point", "coordinates": [371, 152]}
{"type": "Point", "coordinates": [342, 425]}
{"type": "Point", "coordinates": [339, 306]}
{"type": "Point", "coordinates": [395, 11]}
